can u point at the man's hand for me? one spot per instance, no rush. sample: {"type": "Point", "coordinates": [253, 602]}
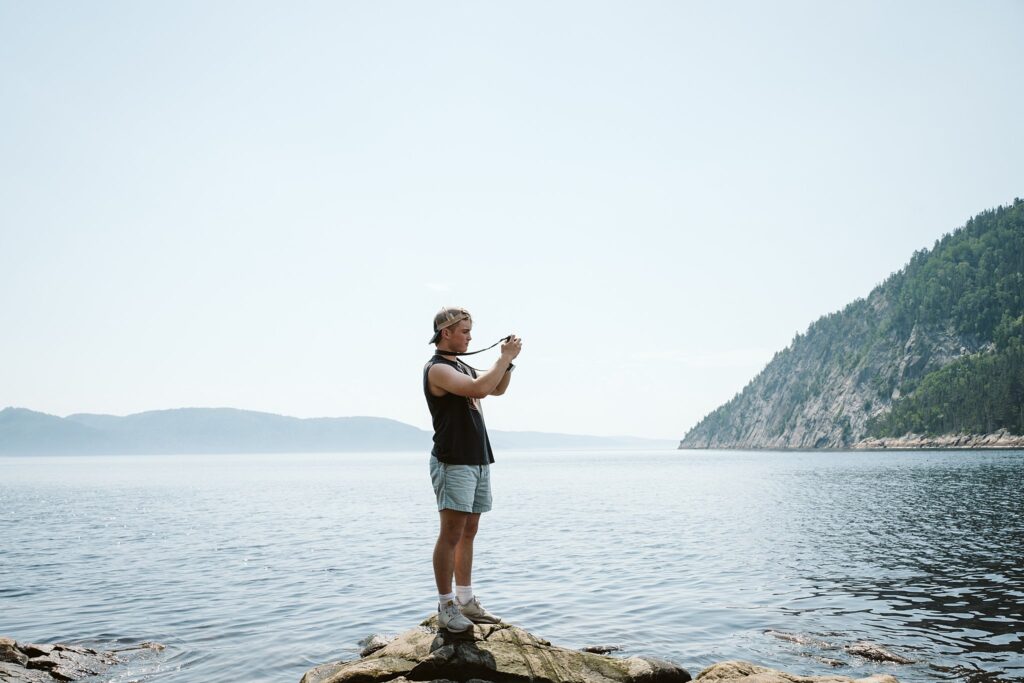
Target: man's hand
{"type": "Point", "coordinates": [444, 379]}
{"type": "Point", "coordinates": [512, 347]}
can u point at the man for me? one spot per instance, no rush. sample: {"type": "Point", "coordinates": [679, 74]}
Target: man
{"type": "Point", "coordinates": [460, 462]}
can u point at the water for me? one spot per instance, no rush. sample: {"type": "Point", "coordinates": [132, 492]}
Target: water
{"type": "Point", "coordinates": [256, 568]}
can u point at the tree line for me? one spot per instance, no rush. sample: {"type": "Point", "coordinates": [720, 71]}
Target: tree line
{"type": "Point", "coordinates": [972, 280]}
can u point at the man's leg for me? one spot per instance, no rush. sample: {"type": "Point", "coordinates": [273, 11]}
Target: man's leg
{"type": "Point", "coordinates": [453, 523]}
{"type": "Point", "coordinates": [464, 551]}
{"type": "Point", "coordinates": [453, 526]}
{"type": "Point", "coordinates": [470, 606]}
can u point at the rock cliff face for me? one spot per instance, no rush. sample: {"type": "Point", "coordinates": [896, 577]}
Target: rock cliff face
{"type": "Point", "coordinates": [821, 391]}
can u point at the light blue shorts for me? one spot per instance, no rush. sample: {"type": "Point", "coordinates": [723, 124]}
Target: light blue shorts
{"type": "Point", "coordinates": [466, 488]}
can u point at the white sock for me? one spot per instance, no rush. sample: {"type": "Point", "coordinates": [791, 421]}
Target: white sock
{"type": "Point", "coordinates": [445, 598]}
{"type": "Point", "coordinates": [464, 593]}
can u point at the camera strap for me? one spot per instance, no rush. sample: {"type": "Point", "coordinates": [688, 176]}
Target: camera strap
{"type": "Point", "coordinates": [473, 353]}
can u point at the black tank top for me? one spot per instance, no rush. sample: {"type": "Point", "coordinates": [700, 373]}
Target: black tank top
{"type": "Point", "coordinates": [460, 436]}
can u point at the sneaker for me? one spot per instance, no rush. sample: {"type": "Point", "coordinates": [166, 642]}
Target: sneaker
{"type": "Point", "coordinates": [449, 617]}
{"type": "Point", "coordinates": [476, 613]}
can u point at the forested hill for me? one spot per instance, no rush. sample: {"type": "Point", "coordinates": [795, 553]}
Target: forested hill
{"type": "Point", "coordinates": [938, 348]}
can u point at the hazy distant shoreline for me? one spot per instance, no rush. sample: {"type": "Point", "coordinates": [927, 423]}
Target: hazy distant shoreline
{"type": "Point", "coordinates": [192, 431]}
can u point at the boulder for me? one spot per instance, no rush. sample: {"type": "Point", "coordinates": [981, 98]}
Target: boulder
{"type": "Point", "coordinates": [496, 653]}
{"type": "Point", "coordinates": [745, 672]}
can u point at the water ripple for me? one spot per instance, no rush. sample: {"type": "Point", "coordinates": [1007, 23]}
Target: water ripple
{"type": "Point", "coordinates": [258, 567]}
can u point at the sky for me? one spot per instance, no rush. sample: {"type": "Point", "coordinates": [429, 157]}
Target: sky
{"type": "Point", "coordinates": [262, 205]}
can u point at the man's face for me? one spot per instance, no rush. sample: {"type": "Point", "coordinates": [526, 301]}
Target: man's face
{"type": "Point", "coordinates": [461, 335]}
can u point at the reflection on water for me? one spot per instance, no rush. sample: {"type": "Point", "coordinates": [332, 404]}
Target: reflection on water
{"type": "Point", "coordinates": [258, 567]}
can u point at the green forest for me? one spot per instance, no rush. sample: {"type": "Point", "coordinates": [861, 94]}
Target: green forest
{"type": "Point", "coordinates": [977, 394]}
{"type": "Point", "coordinates": [974, 280]}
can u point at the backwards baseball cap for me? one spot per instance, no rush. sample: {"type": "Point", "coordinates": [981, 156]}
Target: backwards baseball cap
{"type": "Point", "coordinates": [446, 317]}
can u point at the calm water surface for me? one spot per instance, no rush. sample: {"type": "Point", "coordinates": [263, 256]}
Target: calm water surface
{"type": "Point", "coordinates": [257, 567]}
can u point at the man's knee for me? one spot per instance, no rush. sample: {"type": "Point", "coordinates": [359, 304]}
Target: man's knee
{"type": "Point", "coordinates": [453, 526]}
{"type": "Point", "coordinates": [471, 527]}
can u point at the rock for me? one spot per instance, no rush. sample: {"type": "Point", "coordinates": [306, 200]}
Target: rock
{"type": "Point", "coordinates": [998, 439]}
{"type": "Point", "coordinates": [876, 653]}
{"type": "Point", "coordinates": [373, 643]}
{"type": "Point", "coordinates": [498, 653]}
{"type": "Point", "coordinates": [795, 638]}
{"type": "Point", "coordinates": [45, 663]}
{"type": "Point", "coordinates": [9, 652]}
{"type": "Point", "coordinates": [34, 650]}
{"type": "Point", "coordinates": [15, 673]}
{"type": "Point", "coordinates": [834, 663]}
{"type": "Point", "coordinates": [745, 672]}
{"type": "Point", "coordinates": [323, 672]}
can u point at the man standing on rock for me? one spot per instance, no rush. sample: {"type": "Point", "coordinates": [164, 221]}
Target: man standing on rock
{"type": "Point", "coordinates": [460, 462]}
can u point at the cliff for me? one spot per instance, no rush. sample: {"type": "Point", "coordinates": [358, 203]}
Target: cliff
{"type": "Point", "coordinates": [854, 373]}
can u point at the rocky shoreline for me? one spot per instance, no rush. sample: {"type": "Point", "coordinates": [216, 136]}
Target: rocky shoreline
{"type": "Point", "coordinates": [49, 662]}
{"type": "Point", "coordinates": [1000, 439]}
{"type": "Point", "coordinates": [489, 653]}
{"type": "Point", "coordinates": [503, 653]}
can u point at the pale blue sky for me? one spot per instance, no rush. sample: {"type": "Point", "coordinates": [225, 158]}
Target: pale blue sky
{"type": "Point", "coordinates": [262, 205]}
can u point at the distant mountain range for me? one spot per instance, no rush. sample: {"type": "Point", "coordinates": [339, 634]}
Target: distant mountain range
{"type": "Point", "coordinates": [228, 430]}
{"type": "Point", "coordinates": [937, 349]}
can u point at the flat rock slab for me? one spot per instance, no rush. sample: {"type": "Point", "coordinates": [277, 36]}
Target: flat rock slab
{"type": "Point", "coordinates": [745, 672]}
{"type": "Point", "coordinates": [37, 663]}
{"type": "Point", "coordinates": [498, 653]}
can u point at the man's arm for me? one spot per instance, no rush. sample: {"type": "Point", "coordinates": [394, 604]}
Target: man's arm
{"type": "Point", "coordinates": [503, 384]}
{"type": "Point", "coordinates": [446, 379]}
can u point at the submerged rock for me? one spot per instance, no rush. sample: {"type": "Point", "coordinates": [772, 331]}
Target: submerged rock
{"type": "Point", "coordinates": [862, 648]}
{"type": "Point", "coordinates": [834, 663]}
{"type": "Point", "coordinates": [745, 672]}
{"type": "Point", "coordinates": [876, 653]}
{"type": "Point", "coordinates": [798, 638]}
{"type": "Point", "coordinates": [45, 663]}
{"type": "Point", "coordinates": [499, 653]}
